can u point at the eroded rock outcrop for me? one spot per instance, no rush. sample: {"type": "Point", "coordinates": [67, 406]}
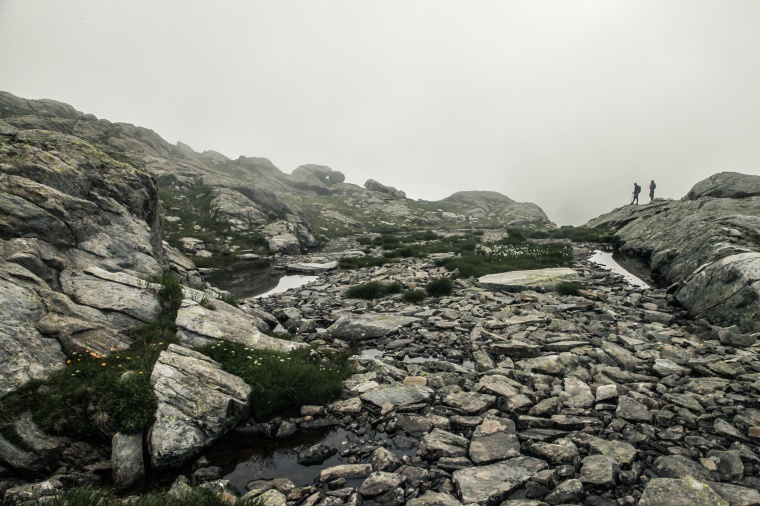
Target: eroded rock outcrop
{"type": "Point", "coordinates": [707, 243]}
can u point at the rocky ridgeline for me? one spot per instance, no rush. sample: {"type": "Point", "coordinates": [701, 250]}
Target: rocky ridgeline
{"type": "Point", "coordinates": [705, 244]}
{"type": "Point", "coordinates": [249, 196]}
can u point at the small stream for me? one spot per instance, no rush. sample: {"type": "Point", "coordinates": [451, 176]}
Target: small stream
{"type": "Point", "coordinates": [608, 261]}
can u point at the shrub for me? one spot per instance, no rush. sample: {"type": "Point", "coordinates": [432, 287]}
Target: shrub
{"type": "Point", "coordinates": [373, 290]}
{"type": "Point", "coordinates": [439, 287]}
{"type": "Point", "coordinates": [569, 288]}
{"type": "Point", "coordinates": [368, 290]}
{"type": "Point", "coordinates": [414, 296]}
{"type": "Point", "coordinates": [281, 382]}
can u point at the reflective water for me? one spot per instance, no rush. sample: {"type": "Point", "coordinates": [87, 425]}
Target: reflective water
{"type": "Point", "coordinates": [608, 261]}
{"type": "Point", "coordinates": [285, 283]}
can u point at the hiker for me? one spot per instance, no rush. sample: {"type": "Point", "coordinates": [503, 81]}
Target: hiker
{"type": "Point", "coordinates": [636, 191]}
{"type": "Point", "coordinates": [652, 186]}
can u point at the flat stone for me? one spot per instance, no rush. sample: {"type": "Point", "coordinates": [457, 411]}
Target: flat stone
{"type": "Point", "coordinates": [632, 410]}
{"type": "Point", "coordinates": [470, 403]}
{"type": "Point", "coordinates": [380, 482]}
{"type": "Point", "coordinates": [398, 395]}
{"type": "Point", "coordinates": [674, 492]}
{"type": "Point", "coordinates": [492, 483]}
{"type": "Point", "coordinates": [440, 443]}
{"type": "Point", "coordinates": [493, 440]}
{"type": "Point", "coordinates": [311, 267]}
{"type": "Point", "coordinates": [369, 326]}
{"type": "Point", "coordinates": [345, 471]}
{"type": "Point", "coordinates": [599, 470]}
{"type": "Point", "coordinates": [515, 281]}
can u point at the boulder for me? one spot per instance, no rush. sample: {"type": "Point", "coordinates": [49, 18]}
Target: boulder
{"type": "Point", "coordinates": [374, 186]}
{"type": "Point", "coordinates": [127, 459]}
{"type": "Point", "coordinates": [369, 326]}
{"type": "Point", "coordinates": [673, 492]}
{"type": "Point", "coordinates": [492, 483]}
{"type": "Point", "coordinates": [197, 404]}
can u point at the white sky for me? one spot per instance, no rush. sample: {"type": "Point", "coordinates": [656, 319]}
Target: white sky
{"type": "Point", "coordinates": [562, 103]}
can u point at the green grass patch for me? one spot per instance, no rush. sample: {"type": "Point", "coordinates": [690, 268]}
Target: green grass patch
{"type": "Point", "coordinates": [574, 234]}
{"type": "Point", "coordinates": [569, 288]}
{"type": "Point", "coordinates": [373, 290]}
{"type": "Point", "coordinates": [98, 394]}
{"type": "Point", "coordinates": [282, 382]}
{"type": "Point", "coordinates": [414, 296]}
{"type": "Point", "coordinates": [439, 287]}
{"type": "Point", "coordinates": [512, 257]}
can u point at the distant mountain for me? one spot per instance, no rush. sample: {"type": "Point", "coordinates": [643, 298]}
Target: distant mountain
{"type": "Point", "coordinates": [249, 204]}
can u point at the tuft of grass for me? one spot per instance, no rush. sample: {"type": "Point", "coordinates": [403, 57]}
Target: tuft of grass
{"type": "Point", "coordinates": [282, 382]}
{"type": "Point", "coordinates": [373, 290]}
{"type": "Point", "coordinates": [414, 296]}
{"type": "Point", "coordinates": [569, 288]}
{"type": "Point", "coordinates": [101, 394]}
{"type": "Point", "coordinates": [439, 287]}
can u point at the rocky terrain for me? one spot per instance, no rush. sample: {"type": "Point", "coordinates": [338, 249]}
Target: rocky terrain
{"type": "Point", "coordinates": [237, 205]}
{"type": "Point", "coordinates": [706, 244]}
{"type": "Point", "coordinates": [503, 392]}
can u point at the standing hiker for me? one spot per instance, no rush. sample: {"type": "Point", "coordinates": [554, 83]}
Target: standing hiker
{"type": "Point", "coordinates": [652, 186]}
{"type": "Point", "coordinates": [636, 191]}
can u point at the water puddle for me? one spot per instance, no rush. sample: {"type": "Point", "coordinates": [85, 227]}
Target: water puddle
{"type": "Point", "coordinates": [245, 458]}
{"type": "Point", "coordinates": [285, 283]}
{"type": "Point", "coordinates": [608, 261]}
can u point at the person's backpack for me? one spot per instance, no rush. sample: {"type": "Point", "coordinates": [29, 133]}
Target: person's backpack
{"type": "Point", "coordinates": [637, 189]}
{"type": "Point", "coordinates": [653, 185]}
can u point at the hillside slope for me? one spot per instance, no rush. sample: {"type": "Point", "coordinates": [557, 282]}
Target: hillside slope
{"type": "Point", "coordinates": [248, 203]}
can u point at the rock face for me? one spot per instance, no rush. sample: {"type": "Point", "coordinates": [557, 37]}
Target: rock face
{"type": "Point", "coordinates": [246, 195]}
{"type": "Point", "coordinates": [197, 404]}
{"type": "Point", "coordinates": [706, 243]}
{"type": "Point", "coordinates": [71, 217]}
{"type": "Point", "coordinates": [538, 279]}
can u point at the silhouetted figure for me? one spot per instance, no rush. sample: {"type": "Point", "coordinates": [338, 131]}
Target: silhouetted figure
{"type": "Point", "coordinates": [636, 191]}
{"type": "Point", "coordinates": [652, 186]}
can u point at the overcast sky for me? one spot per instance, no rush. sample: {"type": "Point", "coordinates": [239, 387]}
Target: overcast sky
{"type": "Point", "coordinates": [562, 103]}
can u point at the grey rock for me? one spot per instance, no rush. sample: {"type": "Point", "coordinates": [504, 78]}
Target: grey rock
{"type": "Point", "coordinates": [538, 279]}
{"type": "Point", "coordinates": [599, 470]}
{"type": "Point", "coordinates": [674, 492]}
{"type": "Point", "coordinates": [493, 440]}
{"type": "Point", "coordinates": [397, 395]}
{"type": "Point", "coordinates": [316, 454]}
{"type": "Point", "coordinates": [346, 471]}
{"type": "Point", "coordinates": [128, 467]}
{"type": "Point", "coordinates": [729, 464]}
{"type": "Point", "coordinates": [470, 403]}
{"type": "Point", "coordinates": [632, 410]}
{"type": "Point", "coordinates": [369, 326]}
{"type": "Point", "coordinates": [735, 494]}
{"type": "Point", "coordinates": [440, 443]}
{"type": "Point", "coordinates": [494, 482]}
{"type": "Point", "coordinates": [678, 466]}
{"type": "Point", "coordinates": [380, 482]}
{"type": "Point", "coordinates": [431, 498]}
{"type": "Point", "coordinates": [188, 384]}
{"type": "Point", "coordinates": [569, 491]}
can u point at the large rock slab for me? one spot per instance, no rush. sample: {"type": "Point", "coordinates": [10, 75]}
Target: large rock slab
{"type": "Point", "coordinates": [369, 326]}
{"type": "Point", "coordinates": [538, 279]}
{"type": "Point", "coordinates": [398, 395]}
{"type": "Point", "coordinates": [687, 492]}
{"type": "Point", "coordinates": [24, 352]}
{"type": "Point", "coordinates": [198, 325]}
{"type": "Point", "coordinates": [494, 439]}
{"type": "Point", "coordinates": [197, 404]}
{"type": "Point", "coordinates": [726, 292]}
{"type": "Point", "coordinates": [491, 483]}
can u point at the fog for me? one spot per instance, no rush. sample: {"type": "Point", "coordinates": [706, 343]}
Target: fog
{"type": "Point", "coordinates": [561, 103]}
